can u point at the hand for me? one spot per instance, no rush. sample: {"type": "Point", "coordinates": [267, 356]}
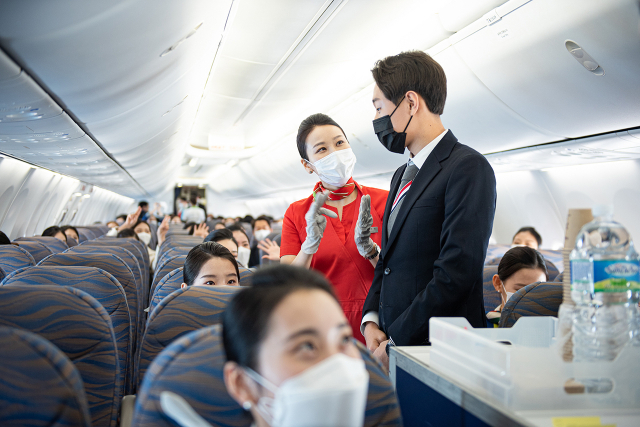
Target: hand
{"type": "Point", "coordinates": [162, 229]}
{"type": "Point", "coordinates": [381, 355]}
{"type": "Point", "coordinates": [201, 230]}
{"type": "Point", "coordinates": [373, 336]}
{"type": "Point", "coordinates": [316, 224]}
{"type": "Point", "coordinates": [132, 219]}
{"type": "Point", "coordinates": [271, 248]}
{"type": "Point", "coordinates": [362, 230]}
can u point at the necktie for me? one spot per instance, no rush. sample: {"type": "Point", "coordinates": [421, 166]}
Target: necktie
{"type": "Point", "coordinates": [410, 172]}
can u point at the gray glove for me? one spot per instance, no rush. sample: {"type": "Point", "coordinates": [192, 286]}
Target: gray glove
{"type": "Point", "coordinates": [362, 231]}
{"type": "Point", "coordinates": [316, 224]}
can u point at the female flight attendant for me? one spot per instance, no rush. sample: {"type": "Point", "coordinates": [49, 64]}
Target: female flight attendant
{"type": "Point", "coordinates": [337, 229]}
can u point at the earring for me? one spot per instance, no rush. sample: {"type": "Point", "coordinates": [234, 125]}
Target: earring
{"type": "Point", "coordinates": [246, 405]}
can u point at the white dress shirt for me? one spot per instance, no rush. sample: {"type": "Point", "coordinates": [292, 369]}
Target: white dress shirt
{"type": "Point", "coordinates": [417, 160]}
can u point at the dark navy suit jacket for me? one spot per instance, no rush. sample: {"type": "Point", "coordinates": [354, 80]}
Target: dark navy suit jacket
{"type": "Point", "coordinates": [431, 263]}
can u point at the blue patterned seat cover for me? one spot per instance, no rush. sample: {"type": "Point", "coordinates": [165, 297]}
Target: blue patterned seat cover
{"type": "Point", "coordinates": [114, 266]}
{"type": "Point", "coordinates": [100, 285]}
{"type": "Point", "coordinates": [491, 297]}
{"type": "Point", "coordinates": [40, 387]}
{"type": "Point", "coordinates": [81, 328]}
{"type": "Point", "coordinates": [183, 311]}
{"type": "Point", "coordinates": [14, 258]}
{"type": "Point", "coordinates": [193, 368]}
{"type": "Point", "coordinates": [168, 265]}
{"type": "Point", "coordinates": [37, 250]}
{"type": "Point", "coordinates": [537, 299]}
{"type": "Point", "coordinates": [53, 244]}
{"type": "Point", "coordinates": [132, 245]}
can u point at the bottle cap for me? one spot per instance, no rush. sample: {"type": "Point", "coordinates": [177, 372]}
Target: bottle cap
{"type": "Point", "coordinates": [602, 210]}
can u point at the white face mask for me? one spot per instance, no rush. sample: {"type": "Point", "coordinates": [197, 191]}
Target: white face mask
{"type": "Point", "coordinates": [509, 295]}
{"type": "Point", "coordinates": [331, 393]}
{"type": "Point", "coordinates": [261, 234]}
{"type": "Point", "coordinates": [120, 221]}
{"type": "Point", "coordinates": [144, 237]}
{"type": "Point", "coordinates": [243, 256]}
{"type": "Point", "coordinates": [336, 168]}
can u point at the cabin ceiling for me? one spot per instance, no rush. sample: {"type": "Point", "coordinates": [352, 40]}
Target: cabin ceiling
{"type": "Point", "coordinates": [136, 96]}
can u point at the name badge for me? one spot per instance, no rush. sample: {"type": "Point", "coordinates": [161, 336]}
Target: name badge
{"type": "Point", "coordinates": [374, 229]}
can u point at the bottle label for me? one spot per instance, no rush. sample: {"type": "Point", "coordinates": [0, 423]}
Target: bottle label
{"type": "Point", "coordinates": [616, 275]}
{"type": "Point", "coordinates": [581, 275]}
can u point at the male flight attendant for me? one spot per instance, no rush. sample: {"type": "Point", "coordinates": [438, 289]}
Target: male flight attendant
{"type": "Point", "coordinates": [439, 214]}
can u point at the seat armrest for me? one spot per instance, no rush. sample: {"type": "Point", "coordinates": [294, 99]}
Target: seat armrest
{"type": "Point", "coordinates": [126, 410]}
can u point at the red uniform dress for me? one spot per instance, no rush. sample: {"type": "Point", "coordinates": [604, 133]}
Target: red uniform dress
{"type": "Point", "coordinates": [337, 256]}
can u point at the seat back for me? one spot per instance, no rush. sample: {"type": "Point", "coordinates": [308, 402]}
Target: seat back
{"type": "Point", "coordinates": [183, 311]}
{"type": "Point", "coordinates": [167, 285]}
{"type": "Point", "coordinates": [121, 253]}
{"type": "Point", "coordinates": [71, 242]}
{"type": "Point", "coordinates": [114, 266]}
{"type": "Point", "coordinates": [79, 326]}
{"type": "Point", "coordinates": [491, 297]}
{"type": "Point", "coordinates": [13, 258]}
{"type": "Point", "coordinates": [132, 245]}
{"type": "Point", "coordinates": [495, 251]}
{"type": "Point", "coordinates": [559, 278]}
{"type": "Point", "coordinates": [100, 285]}
{"type": "Point", "coordinates": [168, 265]}
{"type": "Point", "coordinates": [40, 387]}
{"type": "Point", "coordinates": [192, 367]}
{"type": "Point", "coordinates": [171, 252]}
{"type": "Point", "coordinates": [537, 299]}
{"type": "Point", "coordinates": [53, 244]}
{"type": "Point", "coordinates": [85, 234]}
{"type": "Point", "coordinates": [37, 250]}
{"type": "Point", "coordinates": [178, 240]}
{"type": "Point", "coordinates": [554, 256]}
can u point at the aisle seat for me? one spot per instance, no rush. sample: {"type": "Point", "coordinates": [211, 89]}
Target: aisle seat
{"type": "Point", "coordinates": [537, 299]}
{"type": "Point", "coordinates": [100, 285]}
{"type": "Point", "coordinates": [81, 328]}
{"type": "Point", "coordinates": [181, 312]}
{"type": "Point", "coordinates": [40, 386]}
{"type": "Point", "coordinates": [192, 367]}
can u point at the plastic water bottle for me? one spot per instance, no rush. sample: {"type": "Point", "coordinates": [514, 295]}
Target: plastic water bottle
{"type": "Point", "coordinates": [605, 285]}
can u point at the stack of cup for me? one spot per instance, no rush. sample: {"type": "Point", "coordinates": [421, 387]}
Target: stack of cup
{"type": "Point", "coordinates": [576, 219]}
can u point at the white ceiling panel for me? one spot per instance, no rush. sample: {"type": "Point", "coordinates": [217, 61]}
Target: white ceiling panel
{"type": "Point", "coordinates": [523, 60]}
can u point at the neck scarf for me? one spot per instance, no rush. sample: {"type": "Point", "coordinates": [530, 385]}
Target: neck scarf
{"type": "Point", "coordinates": [338, 194]}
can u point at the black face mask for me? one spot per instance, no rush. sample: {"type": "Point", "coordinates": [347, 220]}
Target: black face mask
{"type": "Point", "coordinates": [392, 140]}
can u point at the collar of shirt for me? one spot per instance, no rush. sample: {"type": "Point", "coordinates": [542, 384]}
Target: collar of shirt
{"type": "Point", "coordinates": [422, 155]}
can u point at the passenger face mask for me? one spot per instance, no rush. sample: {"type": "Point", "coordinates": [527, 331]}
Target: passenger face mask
{"type": "Point", "coordinates": [392, 140]}
{"type": "Point", "coordinates": [145, 237]}
{"type": "Point", "coordinates": [261, 234]}
{"type": "Point", "coordinates": [509, 295]}
{"type": "Point", "coordinates": [336, 168]}
{"type": "Point", "coordinates": [243, 256]}
{"type": "Point", "coordinates": [331, 393]}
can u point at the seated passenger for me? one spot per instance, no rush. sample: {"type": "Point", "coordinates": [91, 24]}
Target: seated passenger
{"type": "Point", "coordinates": [244, 248]}
{"type": "Point", "coordinates": [4, 240]}
{"type": "Point", "coordinates": [175, 219]}
{"type": "Point", "coordinates": [219, 226]}
{"type": "Point", "coordinates": [527, 236]}
{"type": "Point", "coordinates": [261, 228]}
{"type": "Point", "coordinates": [201, 230]}
{"type": "Point", "coordinates": [291, 356]}
{"type": "Point", "coordinates": [112, 224]}
{"type": "Point", "coordinates": [210, 264]}
{"type": "Point", "coordinates": [55, 231]}
{"type": "Point", "coordinates": [225, 238]}
{"type": "Point", "coordinates": [120, 219]}
{"type": "Point", "coordinates": [72, 232]}
{"type": "Point", "coordinates": [519, 267]}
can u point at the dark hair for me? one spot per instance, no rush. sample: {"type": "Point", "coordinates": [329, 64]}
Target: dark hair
{"type": "Point", "coordinates": [518, 258]}
{"type": "Point", "coordinates": [202, 253]}
{"type": "Point", "coordinates": [248, 219]}
{"type": "Point", "coordinates": [143, 203]}
{"type": "Point", "coordinates": [52, 231]}
{"type": "Point", "coordinates": [531, 231]}
{"type": "Point", "coordinates": [222, 234]}
{"type": "Point", "coordinates": [309, 124]}
{"type": "Point", "coordinates": [123, 216]}
{"type": "Point", "coordinates": [261, 218]}
{"type": "Point", "coordinates": [4, 240]}
{"type": "Point", "coordinates": [414, 70]}
{"type": "Point", "coordinates": [142, 222]}
{"type": "Point", "coordinates": [193, 201]}
{"type": "Point", "coordinates": [128, 232]}
{"type": "Point", "coordinates": [238, 227]}
{"type": "Point", "coordinates": [69, 227]}
{"type": "Point", "coordinates": [246, 320]}
{"type": "Point", "coordinates": [191, 226]}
